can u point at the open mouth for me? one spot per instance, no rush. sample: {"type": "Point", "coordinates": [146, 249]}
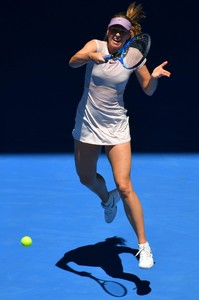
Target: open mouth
{"type": "Point", "coordinates": [117, 40]}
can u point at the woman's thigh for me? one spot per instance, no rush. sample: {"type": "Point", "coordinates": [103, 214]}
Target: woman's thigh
{"type": "Point", "coordinates": [120, 160]}
{"type": "Point", "coordinates": [86, 156]}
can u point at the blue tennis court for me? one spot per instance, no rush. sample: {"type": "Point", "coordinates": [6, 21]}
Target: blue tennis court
{"type": "Point", "coordinates": [40, 196]}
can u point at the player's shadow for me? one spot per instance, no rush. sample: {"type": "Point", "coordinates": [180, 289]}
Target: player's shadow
{"type": "Point", "coordinates": [104, 254]}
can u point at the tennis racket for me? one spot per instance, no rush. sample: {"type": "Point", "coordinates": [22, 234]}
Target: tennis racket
{"type": "Point", "coordinates": [134, 52]}
{"type": "Point", "coordinates": [113, 288]}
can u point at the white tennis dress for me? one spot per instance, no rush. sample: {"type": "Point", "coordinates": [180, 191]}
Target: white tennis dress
{"type": "Point", "coordinates": [101, 117]}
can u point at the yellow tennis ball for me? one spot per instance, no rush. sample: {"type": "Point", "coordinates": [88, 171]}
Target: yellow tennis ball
{"type": "Point", "coordinates": [26, 241]}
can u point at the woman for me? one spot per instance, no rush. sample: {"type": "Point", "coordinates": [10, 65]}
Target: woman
{"type": "Point", "coordinates": [101, 120]}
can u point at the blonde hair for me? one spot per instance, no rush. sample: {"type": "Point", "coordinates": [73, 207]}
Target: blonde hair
{"type": "Point", "coordinates": [134, 14]}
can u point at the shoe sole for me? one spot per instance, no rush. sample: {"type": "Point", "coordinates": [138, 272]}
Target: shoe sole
{"type": "Point", "coordinates": [116, 200]}
{"type": "Point", "coordinates": [148, 267]}
{"type": "Point", "coordinates": [107, 221]}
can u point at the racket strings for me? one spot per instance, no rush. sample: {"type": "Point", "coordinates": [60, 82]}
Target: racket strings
{"type": "Point", "coordinates": [142, 45]}
{"type": "Point", "coordinates": [132, 57]}
{"type": "Point", "coordinates": [114, 288]}
{"type": "Point", "coordinates": [137, 52]}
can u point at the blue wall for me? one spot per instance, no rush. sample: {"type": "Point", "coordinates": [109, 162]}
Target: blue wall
{"type": "Point", "coordinates": [39, 92]}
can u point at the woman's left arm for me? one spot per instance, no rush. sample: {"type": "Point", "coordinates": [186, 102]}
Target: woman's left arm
{"type": "Point", "coordinates": [149, 81]}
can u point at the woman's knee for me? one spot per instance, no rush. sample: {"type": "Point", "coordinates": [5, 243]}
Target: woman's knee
{"type": "Point", "coordinates": [90, 179]}
{"type": "Point", "coordinates": [124, 187]}
{"type": "Point", "coordinates": [85, 179]}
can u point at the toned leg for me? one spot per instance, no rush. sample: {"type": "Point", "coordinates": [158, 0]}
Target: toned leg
{"type": "Point", "coordinates": [120, 159]}
{"type": "Point", "coordinates": [86, 157]}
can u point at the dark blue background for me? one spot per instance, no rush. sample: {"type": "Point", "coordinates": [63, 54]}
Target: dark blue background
{"type": "Point", "coordinates": [39, 93]}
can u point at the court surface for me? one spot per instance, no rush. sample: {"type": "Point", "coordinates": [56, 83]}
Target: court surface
{"type": "Point", "coordinates": [40, 196]}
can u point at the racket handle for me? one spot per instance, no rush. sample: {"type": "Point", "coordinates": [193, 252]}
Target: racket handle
{"type": "Point", "coordinates": [107, 57]}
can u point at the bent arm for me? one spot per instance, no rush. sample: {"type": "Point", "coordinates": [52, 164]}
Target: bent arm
{"type": "Point", "coordinates": [87, 53]}
{"type": "Point", "coordinates": [149, 82]}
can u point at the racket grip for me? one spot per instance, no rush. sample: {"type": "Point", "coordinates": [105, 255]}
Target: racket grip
{"type": "Point", "coordinates": [107, 57]}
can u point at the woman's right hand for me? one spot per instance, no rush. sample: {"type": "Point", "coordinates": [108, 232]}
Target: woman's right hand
{"type": "Point", "coordinates": [97, 57]}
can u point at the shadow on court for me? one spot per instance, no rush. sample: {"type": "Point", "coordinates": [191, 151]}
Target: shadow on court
{"type": "Point", "coordinates": [105, 255]}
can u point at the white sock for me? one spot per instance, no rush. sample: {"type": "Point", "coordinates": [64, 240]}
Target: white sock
{"type": "Point", "coordinates": [145, 244]}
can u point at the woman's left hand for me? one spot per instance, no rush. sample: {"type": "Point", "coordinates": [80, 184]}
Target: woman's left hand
{"type": "Point", "coordinates": [159, 71]}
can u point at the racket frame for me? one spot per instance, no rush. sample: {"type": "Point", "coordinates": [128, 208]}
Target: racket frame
{"type": "Point", "coordinates": [121, 52]}
{"type": "Point", "coordinates": [103, 285]}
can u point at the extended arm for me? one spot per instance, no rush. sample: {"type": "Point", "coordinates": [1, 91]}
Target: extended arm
{"type": "Point", "coordinates": [63, 264]}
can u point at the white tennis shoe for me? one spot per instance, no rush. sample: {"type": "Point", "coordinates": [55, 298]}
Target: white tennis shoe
{"type": "Point", "coordinates": [110, 207]}
{"type": "Point", "coordinates": [145, 256]}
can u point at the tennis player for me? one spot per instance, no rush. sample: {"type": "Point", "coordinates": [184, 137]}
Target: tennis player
{"type": "Point", "coordinates": [102, 121]}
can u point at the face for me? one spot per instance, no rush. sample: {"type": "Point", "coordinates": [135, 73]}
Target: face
{"type": "Point", "coordinates": [117, 37]}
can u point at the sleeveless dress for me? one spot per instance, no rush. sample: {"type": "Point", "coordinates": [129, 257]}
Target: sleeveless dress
{"type": "Point", "coordinates": [101, 117]}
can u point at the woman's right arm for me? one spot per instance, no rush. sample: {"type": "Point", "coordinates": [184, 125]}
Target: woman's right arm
{"type": "Point", "coordinates": [87, 53]}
